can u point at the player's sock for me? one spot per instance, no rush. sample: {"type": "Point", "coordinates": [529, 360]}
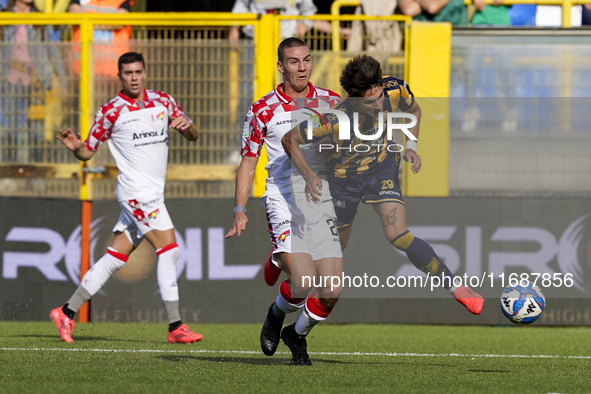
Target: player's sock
{"type": "Point", "coordinates": [422, 256]}
{"type": "Point", "coordinates": [174, 326]}
{"type": "Point", "coordinates": [80, 296]}
{"type": "Point", "coordinates": [285, 303]}
{"type": "Point", "coordinates": [68, 312]}
{"type": "Point", "coordinates": [313, 313]}
{"type": "Point", "coordinates": [166, 273]}
{"type": "Point", "coordinates": [98, 275]}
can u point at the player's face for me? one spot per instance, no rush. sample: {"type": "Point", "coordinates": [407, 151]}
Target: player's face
{"type": "Point", "coordinates": [372, 102]}
{"type": "Point", "coordinates": [132, 77]}
{"type": "Point", "coordinates": [296, 68]}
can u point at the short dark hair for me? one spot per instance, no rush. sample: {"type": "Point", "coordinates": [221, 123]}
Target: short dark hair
{"type": "Point", "coordinates": [361, 74]}
{"type": "Point", "coordinates": [290, 42]}
{"type": "Point", "coordinates": [130, 57]}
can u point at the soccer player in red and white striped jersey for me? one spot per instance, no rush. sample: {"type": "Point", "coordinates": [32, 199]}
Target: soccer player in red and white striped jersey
{"type": "Point", "coordinates": [267, 121]}
{"type": "Point", "coordinates": [135, 124]}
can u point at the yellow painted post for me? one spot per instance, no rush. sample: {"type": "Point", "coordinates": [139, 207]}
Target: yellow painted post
{"type": "Point", "coordinates": [428, 76]}
{"type": "Point", "coordinates": [566, 6]}
{"type": "Point", "coordinates": [265, 69]}
{"type": "Point", "coordinates": [86, 70]}
{"type": "Point", "coordinates": [406, 49]}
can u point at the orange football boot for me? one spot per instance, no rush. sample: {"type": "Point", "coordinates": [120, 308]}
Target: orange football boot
{"type": "Point", "coordinates": [183, 334]}
{"type": "Point", "coordinates": [64, 324]}
{"type": "Point", "coordinates": [470, 299]}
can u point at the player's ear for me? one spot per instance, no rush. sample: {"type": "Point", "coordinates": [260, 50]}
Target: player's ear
{"type": "Point", "coordinates": [280, 67]}
{"type": "Point", "coordinates": [119, 76]}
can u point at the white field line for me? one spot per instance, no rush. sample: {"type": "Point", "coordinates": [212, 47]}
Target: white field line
{"type": "Point", "coordinates": [313, 353]}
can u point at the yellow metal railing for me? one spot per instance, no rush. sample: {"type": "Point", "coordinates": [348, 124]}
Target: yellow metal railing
{"type": "Point", "coordinates": [86, 23]}
{"type": "Point", "coordinates": [152, 26]}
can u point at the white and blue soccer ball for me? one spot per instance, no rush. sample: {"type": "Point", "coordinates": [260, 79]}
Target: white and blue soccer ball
{"type": "Point", "coordinates": [523, 304]}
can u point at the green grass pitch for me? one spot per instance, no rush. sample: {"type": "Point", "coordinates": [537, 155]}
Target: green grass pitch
{"type": "Point", "coordinates": [135, 358]}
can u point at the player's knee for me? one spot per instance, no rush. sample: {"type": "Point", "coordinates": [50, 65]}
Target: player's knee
{"type": "Point", "coordinates": [330, 302]}
{"type": "Point", "coordinates": [331, 292]}
{"type": "Point", "coordinates": [169, 253]}
{"type": "Point", "coordinates": [115, 262]}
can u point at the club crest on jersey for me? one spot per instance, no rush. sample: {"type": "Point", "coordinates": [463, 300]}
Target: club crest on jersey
{"type": "Point", "coordinates": [283, 236]}
{"type": "Point", "coordinates": [154, 214]}
{"type": "Point", "coordinates": [340, 204]}
{"type": "Point", "coordinates": [160, 116]}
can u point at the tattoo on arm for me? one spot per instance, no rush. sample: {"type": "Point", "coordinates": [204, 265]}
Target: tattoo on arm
{"type": "Point", "coordinates": [389, 219]}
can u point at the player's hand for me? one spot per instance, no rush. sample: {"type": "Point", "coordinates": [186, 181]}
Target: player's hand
{"type": "Point", "coordinates": [71, 140]}
{"type": "Point", "coordinates": [313, 189]}
{"type": "Point", "coordinates": [238, 226]}
{"type": "Point", "coordinates": [181, 123]}
{"type": "Point", "coordinates": [412, 157]}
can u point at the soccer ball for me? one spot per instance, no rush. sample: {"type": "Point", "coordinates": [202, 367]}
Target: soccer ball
{"type": "Point", "coordinates": [522, 304]}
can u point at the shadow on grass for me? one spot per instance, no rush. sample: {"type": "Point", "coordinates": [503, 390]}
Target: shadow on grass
{"type": "Point", "coordinates": [83, 338]}
{"type": "Point", "coordinates": [243, 360]}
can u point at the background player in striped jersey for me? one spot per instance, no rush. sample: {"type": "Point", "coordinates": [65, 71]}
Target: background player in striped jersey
{"type": "Point", "coordinates": [267, 120]}
{"type": "Point", "coordinates": [371, 175]}
{"type": "Point", "coordinates": [135, 123]}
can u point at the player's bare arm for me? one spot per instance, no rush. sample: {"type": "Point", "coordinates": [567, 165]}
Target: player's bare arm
{"type": "Point", "coordinates": [73, 142]}
{"type": "Point", "coordinates": [244, 180]}
{"type": "Point", "coordinates": [186, 127]}
{"type": "Point", "coordinates": [291, 143]}
{"type": "Point", "coordinates": [410, 154]}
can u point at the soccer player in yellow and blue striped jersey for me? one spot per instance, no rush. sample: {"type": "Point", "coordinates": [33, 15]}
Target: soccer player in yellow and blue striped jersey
{"type": "Point", "coordinates": [366, 169]}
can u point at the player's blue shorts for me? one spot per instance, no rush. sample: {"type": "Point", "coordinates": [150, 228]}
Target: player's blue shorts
{"type": "Point", "coordinates": [374, 186]}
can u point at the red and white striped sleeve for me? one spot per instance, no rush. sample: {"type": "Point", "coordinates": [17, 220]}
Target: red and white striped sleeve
{"type": "Point", "coordinates": [174, 109]}
{"type": "Point", "coordinates": [102, 127]}
{"type": "Point", "coordinates": [253, 135]}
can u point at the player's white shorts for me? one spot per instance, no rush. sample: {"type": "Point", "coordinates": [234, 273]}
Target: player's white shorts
{"type": "Point", "coordinates": [314, 227]}
{"type": "Point", "coordinates": [139, 217]}
{"type": "Point", "coordinates": [278, 211]}
{"type": "Point", "coordinates": [317, 237]}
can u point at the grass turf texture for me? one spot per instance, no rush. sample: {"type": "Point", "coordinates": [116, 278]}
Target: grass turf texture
{"type": "Point", "coordinates": [175, 369]}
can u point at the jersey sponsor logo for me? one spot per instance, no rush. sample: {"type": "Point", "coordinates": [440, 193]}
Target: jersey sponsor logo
{"type": "Point", "coordinates": [147, 134]}
{"type": "Point", "coordinates": [389, 192]}
{"type": "Point", "coordinates": [282, 224]}
{"type": "Point", "coordinates": [165, 140]}
{"type": "Point", "coordinates": [245, 130]}
{"type": "Point", "coordinates": [340, 204]}
{"type": "Point", "coordinates": [283, 236]}
{"type": "Point", "coordinates": [285, 122]}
